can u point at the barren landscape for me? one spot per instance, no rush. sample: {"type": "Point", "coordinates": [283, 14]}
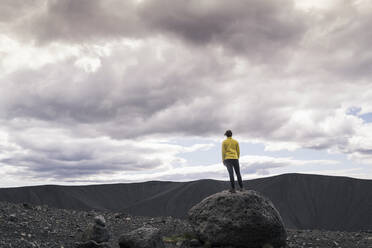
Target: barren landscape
{"type": "Point", "coordinates": [25, 225]}
{"type": "Point", "coordinates": [304, 201]}
{"type": "Point", "coordinates": [318, 211]}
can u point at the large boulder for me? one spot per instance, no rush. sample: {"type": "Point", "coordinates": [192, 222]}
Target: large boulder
{"type": "Point", "coordinates": [144, 237]}
{"type": "Point", "coordinates": [241, 219]}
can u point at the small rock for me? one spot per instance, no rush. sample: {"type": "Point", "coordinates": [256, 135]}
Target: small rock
{"type": "Point", "coordinates": [144, 237]}
{"type": "Point", "coordinates": [195, 243]}
{"type": "Point", "coordinates": [27, 206]}
{"type": "Point", "coordinates": [13, 217]}
{"type": "Point", "coordinates": [100, 220]}
{"type": "Point", "coordinates": [26, 244]}
{"type": "Point", "coordinates": [96, 232]}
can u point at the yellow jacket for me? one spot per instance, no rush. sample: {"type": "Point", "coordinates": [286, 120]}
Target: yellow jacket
{"type": "Point", "coordinates": [230, 149]}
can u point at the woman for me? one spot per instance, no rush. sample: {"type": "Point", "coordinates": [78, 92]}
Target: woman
{"type": "Point", "coordinates": [230, 158]}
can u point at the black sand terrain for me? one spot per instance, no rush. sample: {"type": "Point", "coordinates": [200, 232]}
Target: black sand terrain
{"type": "Point", "coordinates": [304, 201]}
{"type": "Point", "coordinates": [30, 226]}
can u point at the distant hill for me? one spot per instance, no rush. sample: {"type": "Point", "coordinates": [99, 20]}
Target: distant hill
{"type": "Point", "coordinates": [304, 201]}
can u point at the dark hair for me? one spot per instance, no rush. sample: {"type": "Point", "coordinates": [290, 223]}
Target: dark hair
{"type": "Point", "coordinates": [228, 133]}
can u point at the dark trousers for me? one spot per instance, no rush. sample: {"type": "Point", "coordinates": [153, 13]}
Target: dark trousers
{"type": "Point", "coordinates": [231, 165]}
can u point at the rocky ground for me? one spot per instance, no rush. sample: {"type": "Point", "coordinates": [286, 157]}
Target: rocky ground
{"type": "Point", "coordinates": [24, 225]}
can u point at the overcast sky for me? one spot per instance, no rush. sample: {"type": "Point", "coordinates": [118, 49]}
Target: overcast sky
{"type": "Point", "coordinates": [104, 91]}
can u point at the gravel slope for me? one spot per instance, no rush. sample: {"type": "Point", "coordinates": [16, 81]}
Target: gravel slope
{"type": "Point", "coordinates": [24, 225]}
{"type": "Point", "coordinates": [304, 201]}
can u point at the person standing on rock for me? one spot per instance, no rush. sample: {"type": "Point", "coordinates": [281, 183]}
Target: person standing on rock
{"type": "Point", "coordinates": [230, 158]}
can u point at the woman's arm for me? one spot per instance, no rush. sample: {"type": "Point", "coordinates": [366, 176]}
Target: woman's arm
{"type": "Point", "coordinates": [223, 152]}
{"type": "Point", "coordinates": [238, 149]}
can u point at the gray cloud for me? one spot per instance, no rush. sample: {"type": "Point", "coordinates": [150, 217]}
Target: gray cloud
{"type": "Point", "coordinates": [15, 10]}
{"type": "Point", "coordinates": [63, 168]}
{"type": "Point", "coordinates": [77, 21]}
{"type": "Point", "coordinates": [260, 29]}
{"type": "Point", "coordinates": [262, 168]}
{"type": "Point", "coordinates": [272, 73]}
{"type": "Point", "coordinates": [57, 155]}
{"type": "Point", "coordinates": [336, 44]}
{"type": "Point", "coordinates": [150, 96]}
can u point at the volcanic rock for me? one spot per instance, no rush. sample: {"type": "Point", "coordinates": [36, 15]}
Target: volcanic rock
{"type": "Point", "coordinates": [96, 232]}
{"type": "Point", "coordinates": [13, 217]}
{"type": "Point", "coordinates": [100, 220]}
{"type": "Point", "coordinates": [144, 237]}
{"type": "Point", "coordinates": [241, 219]}
{"type": "Point", "coordinates": [47, 227]}
{"type": "Point", "coordinates": [27, 205]}
{"type": "Point", "coordinates": [195, 243]}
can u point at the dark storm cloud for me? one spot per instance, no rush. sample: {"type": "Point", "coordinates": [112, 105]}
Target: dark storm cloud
{"type": "Point", "coordinates": [11, 10]}
{"type": "Point", "coordinates": [263, 31]}
{"type": "Point", "coordinates": [257, 28]}
{"type": "Point", "coordinates": [260, 29]}
{"type": "Point", "coordinates": [80, 21]}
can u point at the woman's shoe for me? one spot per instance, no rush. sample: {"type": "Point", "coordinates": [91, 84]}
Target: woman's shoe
{"type": "Point", "coordinates": [232, 191]}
